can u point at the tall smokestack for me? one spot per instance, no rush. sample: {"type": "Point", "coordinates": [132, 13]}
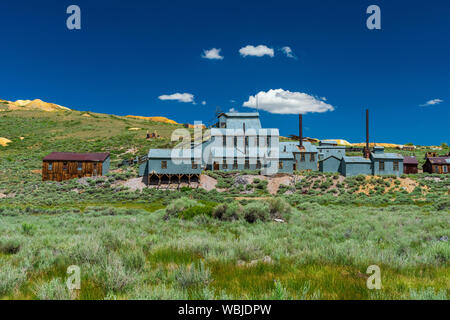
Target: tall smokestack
{"type": "Point", "coordinates": [366, 149]}
{"type": "Point", "coordinates": [300, 127]}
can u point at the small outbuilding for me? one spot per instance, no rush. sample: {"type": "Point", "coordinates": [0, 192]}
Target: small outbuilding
{"type": "Point", "coordinates": [59, 166]}
{"type": "Point", "coordinates": [437, 165]}
{"type": "Point", "coordinates": [386, 163]}
{"type": "Point", "coordinates": [330, 164]}
{"type": "Point", "coordinates": [353, 166]}
{"type": "Point", "coordinates": [410, 165]}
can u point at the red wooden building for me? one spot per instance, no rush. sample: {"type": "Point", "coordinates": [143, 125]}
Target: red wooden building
{"type": "Point", "coordinates": [59, 166]}
{"type": "Point", "coordinates": [410, 165]}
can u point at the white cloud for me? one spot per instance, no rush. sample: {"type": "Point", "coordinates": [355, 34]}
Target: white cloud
{"type": "Point", "coordinates": [258, 51]}
{"type": "Point", "coordinates": [212, 54]}
{"type": "Point", "coordinates": [180, 97]}
{"type": "Point", "coordinates": [203, 102]}
{"type": "Point", "coordinates": [286, 102]}
{"type": "Point", "coordinates": [232, 110]}
{"type": "Point", "coordinates": [288, 52]}
{"type": "Point", "coordinates": [432, 102]}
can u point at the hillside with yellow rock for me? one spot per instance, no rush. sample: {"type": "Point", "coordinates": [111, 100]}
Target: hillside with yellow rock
{"type": "Point", "coordinates": [156, 119]}
{"type": "Point", "coordinates": [36, 104]}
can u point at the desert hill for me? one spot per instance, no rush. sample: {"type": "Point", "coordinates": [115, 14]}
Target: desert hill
{"type": "Point", "coordinates": [156, 119]}
{"type": "Point", "coordinates": [36, 104]}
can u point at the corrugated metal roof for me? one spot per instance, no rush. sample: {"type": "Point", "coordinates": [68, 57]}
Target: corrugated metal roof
{"type": "Point", "coordinates": [249, 131]}
{"type": "Point", "coordinates": [286, 155]}
{"type": "Point", "coordinates": [240, 114]}
{"type": "Point", "coordinates": [330, 147]}
{"type": "Point", "coordinates": [160, 153]}
{"type": "Point", "coordinates": [178, 153]}
{"type": "Point", "coordinates": [439, 160]}
{"type": "Point", "coordinates": [356, 160]}
{"type": "Point", "coordinates": [410, 160]}
{"type": "Point", "coordinates": [73, 156]}
{"type": "Point", "coordinates": [331, 156]}
{"type": "Point", "coordinates": [308, 147]}
{"type": "Point", "coordinates": [290, 146]}
{"type": "Point", "coordinates": [393, 156]}
{"type": "Point", "coordinates": [294, 146]}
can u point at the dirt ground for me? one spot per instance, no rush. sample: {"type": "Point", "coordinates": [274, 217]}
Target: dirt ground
{"type": "Point", "coordinates": [208, 183]}
{"type": "Point", "coordinates": [275, 182]}
{"type": "Point", "coordinates": [133, 184]}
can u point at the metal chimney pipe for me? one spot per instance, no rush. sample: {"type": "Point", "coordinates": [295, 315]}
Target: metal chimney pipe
{"type": "Point", "coordinates": [367, 151]}
{"type": "Point", "coordinates": [245, 139]}
{"type": "Point", "coordinates": [300, 125]}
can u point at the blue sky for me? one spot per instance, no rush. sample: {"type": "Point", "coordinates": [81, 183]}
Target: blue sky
{"type": "Point", "coordinates": [129, 53]}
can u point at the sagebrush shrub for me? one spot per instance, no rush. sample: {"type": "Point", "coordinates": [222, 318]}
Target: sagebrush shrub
{"type": "Point", "coordinates": [256, 211]}
{"type": "Point", "coordinates": [194, 275]}
{"type": "Point", "coordinates": [279, 208]}
{"type": "Point", "coordinates": [55, 289]}
{"type": "Point", "coordinates": [10, 278]}
{"type": "Point", "coordinates": [228, 211]}
{"type": "Point", "coordinates": [179, 205]}
{"type": "Point", "coordinates": [9, 245]}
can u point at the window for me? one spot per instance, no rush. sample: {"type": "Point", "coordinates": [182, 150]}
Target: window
{"type": "Point", "coordinates": [257, 141]}
{"type": "Point", "coordinates": [313, 157]}
{"type": "Point", "coordinates": [280, 165]}
{"type": "Point", "coordinates": [50, 166]}
{"type": "Point", "coordinates": [224, 165]}
{"type": "Point", "coordinates": [302, 157]}
{"type": "Point", "coordinates": [224, 140]}
{"type": "Point", "coordinates": [381, 165]}
{"type": "Point", "coordinates": [268, 141]}
{"type": "Point", "coordinates": [65, 166]}
{"type": "Point", "coordinates": [436, 169]}
{"type": "Point", "coordinates": [235, 164]}
{"type": "Point", "coordinates": [235, 141]}
{"type": "Point", "coordinates": [258, 164]}
{"type": "Point", "coordinates": [247, 164]}
{"type": "Point", "coordinates": [246, 141]}
{"type": "Point", "coordinates": [445, 169]}
{"type": "Point", "coordinates": [194, 165]}
{"type": "Point", "coordinates": [395, 165]}
{"type": "Point", "coordinates": [164, 164]}
{"type": "Point", "coordinates": [80, 166]}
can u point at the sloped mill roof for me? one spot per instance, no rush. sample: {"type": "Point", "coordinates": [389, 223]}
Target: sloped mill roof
{"type": "Point", "coordinates": [73, 156]}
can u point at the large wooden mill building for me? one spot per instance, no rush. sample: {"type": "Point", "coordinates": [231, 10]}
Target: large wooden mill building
{"type": "Point", "coordinates": [59, 166]}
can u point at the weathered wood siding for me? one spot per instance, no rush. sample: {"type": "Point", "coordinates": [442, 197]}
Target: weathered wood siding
{"type": "Point", "coordinates": [435, 168]}
{"type": "Point", "coordinates": [410, 168]}
{"type": "Point", "coordinates": [62, 172]}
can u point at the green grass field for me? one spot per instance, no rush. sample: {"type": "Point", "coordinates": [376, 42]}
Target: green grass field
{"type": "Point", "coordinates": [186, 244]}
